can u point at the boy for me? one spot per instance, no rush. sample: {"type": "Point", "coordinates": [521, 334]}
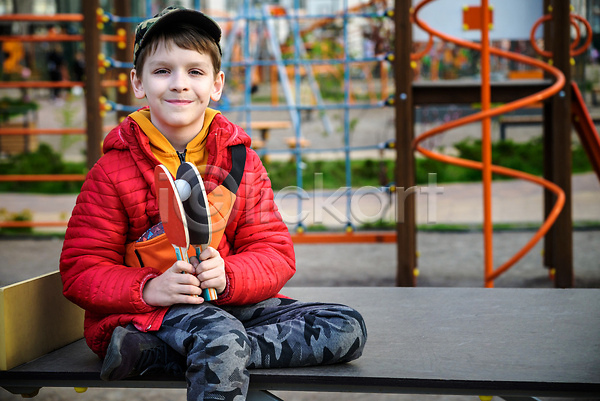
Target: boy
{"type": "Point", "coordinates": [142, 314]}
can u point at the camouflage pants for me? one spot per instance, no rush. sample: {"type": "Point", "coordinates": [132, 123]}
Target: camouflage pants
{"type": "Point", "coordinates": [220, 343]}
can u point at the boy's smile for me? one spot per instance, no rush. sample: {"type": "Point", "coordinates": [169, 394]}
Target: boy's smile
{"type": "Point", "coordinates": [178, 85]}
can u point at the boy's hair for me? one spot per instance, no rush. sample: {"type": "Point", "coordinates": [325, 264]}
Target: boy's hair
{"type": "Point", "coordinates": [187, 29]}
{"type": "Point", "coordinates": [184, 36]}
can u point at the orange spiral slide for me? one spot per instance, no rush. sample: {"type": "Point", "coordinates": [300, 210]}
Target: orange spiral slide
{"type": "Point", "coordinates": [491, 273]}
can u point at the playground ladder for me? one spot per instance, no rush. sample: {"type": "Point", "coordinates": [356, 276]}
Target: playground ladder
{"type": "Point", "coordinates": [301, 51]}
{"type": "Point", "coordinates": [276, 53]}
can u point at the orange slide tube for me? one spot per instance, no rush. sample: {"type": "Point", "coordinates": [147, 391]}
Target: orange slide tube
{"type": "Point", "coordinates": [574, 50]}
{"type": "Point", "coordinates": [490, 274]}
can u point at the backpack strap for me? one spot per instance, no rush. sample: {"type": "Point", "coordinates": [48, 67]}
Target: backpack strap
{"type": "Point", "coordinates": [238, 161]}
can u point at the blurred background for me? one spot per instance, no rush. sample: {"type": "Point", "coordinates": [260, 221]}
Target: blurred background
{"type": "Point", "coordinates": [318, 85]}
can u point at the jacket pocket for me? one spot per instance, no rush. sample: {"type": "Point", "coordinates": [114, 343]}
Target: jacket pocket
{"type": "Point", "coordinates": [156, 252]}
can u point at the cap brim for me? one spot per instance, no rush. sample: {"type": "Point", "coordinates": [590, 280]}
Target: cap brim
{"type": "Point", "coordinates": [191, 17]}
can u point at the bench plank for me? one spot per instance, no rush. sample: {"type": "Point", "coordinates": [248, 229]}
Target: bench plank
{"type": "Point", "coordinates": [35, 319]}
{"type": "Point", "coordinates": [473, 341]}
{"type": "Point", "coordinates": [262, 125]}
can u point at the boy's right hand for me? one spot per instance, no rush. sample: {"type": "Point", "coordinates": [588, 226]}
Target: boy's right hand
{"type": "Point", "coordinates": [172, 287]}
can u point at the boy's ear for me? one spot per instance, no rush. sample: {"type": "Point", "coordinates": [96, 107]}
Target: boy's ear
{"type": "Point", "coordinates": [218, 86]}
{"type": "Point", "coordinates": [136, 84]}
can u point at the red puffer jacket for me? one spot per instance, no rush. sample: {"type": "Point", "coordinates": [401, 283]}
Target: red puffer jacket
{"type": "Point", "coordinates": [118, 204]}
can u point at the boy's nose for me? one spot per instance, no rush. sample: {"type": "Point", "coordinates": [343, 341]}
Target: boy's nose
{"type": "Point", "coordinates": [179, 82]}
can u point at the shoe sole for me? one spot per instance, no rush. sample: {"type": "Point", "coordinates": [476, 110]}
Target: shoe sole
{"type": "Point", "coordinates": [113, 356]}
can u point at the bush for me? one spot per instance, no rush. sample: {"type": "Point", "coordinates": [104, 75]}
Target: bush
{"type": "Point", "coordinates": [527, 157]}
{"type": "Point", "coordinates": [24, 215]}
{"type": "Point", "coordinates": [42, 161]}
{"type": "Point", "coordinates": [15, 107]}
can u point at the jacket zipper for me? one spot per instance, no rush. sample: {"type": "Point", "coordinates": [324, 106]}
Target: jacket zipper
{"type": "Point", "coordinates": [181, 155]}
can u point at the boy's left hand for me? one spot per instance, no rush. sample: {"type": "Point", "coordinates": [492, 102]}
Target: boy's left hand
{"type": "Point", "coordinates": [210, 270]}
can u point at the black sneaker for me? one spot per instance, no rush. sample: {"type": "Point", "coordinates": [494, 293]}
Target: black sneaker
{"type": "Point", "coordinates": [134, 353]}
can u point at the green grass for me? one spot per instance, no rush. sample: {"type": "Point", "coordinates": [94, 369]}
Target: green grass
{"type": "Point", "coordinates": [376, 226]}
{"type": "Point", "coordinates": [383, 225]}
{"type": "Point", "coordinates": [527, 157]}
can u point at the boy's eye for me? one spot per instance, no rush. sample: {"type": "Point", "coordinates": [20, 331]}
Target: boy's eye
{"type": "Point", "coordinates": [196, 72]}
{"type": "Point", "coordinates": [161, 71]}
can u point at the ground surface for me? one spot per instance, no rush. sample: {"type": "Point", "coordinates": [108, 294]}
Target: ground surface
{"type": "Point", "coordinates": [446, 259]}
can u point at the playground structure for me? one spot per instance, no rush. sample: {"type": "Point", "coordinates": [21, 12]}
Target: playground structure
{"type": "Point", "coordinates": [408, 94]}
{"type": "Point", "coordinates": [557, 130]}
{"type": "Point", "coordinates": [258, 23]}
{"type": "Point", "coordinates": [487, 112]}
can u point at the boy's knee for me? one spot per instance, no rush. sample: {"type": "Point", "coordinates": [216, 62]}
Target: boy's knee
{"type": "Point", "coordinates": [347, 319]}
{"type": "Point", "coordinates": [351, 333]}
{"type": "Point", "coordinates": [230, 345]}
{"type": "Point", "coordinates": [355, 319]}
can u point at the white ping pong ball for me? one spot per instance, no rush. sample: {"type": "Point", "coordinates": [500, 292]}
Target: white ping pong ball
{"type": "Point", "coordinates": [184, 189]}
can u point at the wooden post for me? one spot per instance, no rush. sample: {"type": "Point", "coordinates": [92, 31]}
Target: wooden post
{"type": "Point", "coordinates": [91, 39]}
{"type": "Point", "coordinates": [124, 54]}
{"type": "Point", "coordinates": [559, 242]}
{"type": "Point", "coordinates": [405, 162]}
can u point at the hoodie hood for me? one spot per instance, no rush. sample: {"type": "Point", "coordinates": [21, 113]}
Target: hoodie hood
{"type": "Point", "coordinates": [129, 135]}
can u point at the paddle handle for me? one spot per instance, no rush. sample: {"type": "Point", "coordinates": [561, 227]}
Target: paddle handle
{"type": "Point", "coordinates": [209, 294]}
{"type": "Point", "coordinates": [181, 253]}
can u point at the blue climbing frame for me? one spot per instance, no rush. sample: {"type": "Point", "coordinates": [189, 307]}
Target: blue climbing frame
{"type": "Point", "coordinates": [253, 19]}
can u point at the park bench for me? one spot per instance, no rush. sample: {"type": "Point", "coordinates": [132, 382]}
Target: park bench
{"type": "Point", "coordinates": [512, 343]}
{"type": "Point", "coordinates": [524, 120]}
{"type": "Point", "coordinates": [264, 128]}
{"type": "Point", "coordinates": [514, 121]}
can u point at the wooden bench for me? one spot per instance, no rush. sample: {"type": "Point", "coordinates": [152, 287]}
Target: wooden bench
{"type": "Point", "coordinates": [527, 120]}
{"type": "Point", "coordinates": [265, 127]}
{"type": "Point", "coordinates": [512, 343]}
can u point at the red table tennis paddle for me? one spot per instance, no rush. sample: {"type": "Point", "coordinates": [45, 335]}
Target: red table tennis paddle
{"type": "Point", "coordinates": [197, 213]}
{"type": "Point", "coordinates": [171, 212]}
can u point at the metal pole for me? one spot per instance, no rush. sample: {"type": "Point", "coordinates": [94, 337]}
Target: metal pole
{"type": "Point", "coordinates": [347, 160]}
{"type": "Point", "coordinates": [486, 145]}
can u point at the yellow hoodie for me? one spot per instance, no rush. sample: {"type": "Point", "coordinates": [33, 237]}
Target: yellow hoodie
{"type": "Point", "coordinates": [166, 154]}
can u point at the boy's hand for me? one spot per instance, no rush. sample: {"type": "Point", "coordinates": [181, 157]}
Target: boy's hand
{"type": "Point", "coordinates": [172, 287]}
{"type": "Point", "coordinates": [211, 270]}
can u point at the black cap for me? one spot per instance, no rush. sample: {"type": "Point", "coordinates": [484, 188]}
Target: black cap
{"type": "Point", "coordinates": [177, 15]}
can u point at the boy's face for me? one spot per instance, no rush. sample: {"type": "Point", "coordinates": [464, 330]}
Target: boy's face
{"type": "Point", "coordinates": [178, 85]}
